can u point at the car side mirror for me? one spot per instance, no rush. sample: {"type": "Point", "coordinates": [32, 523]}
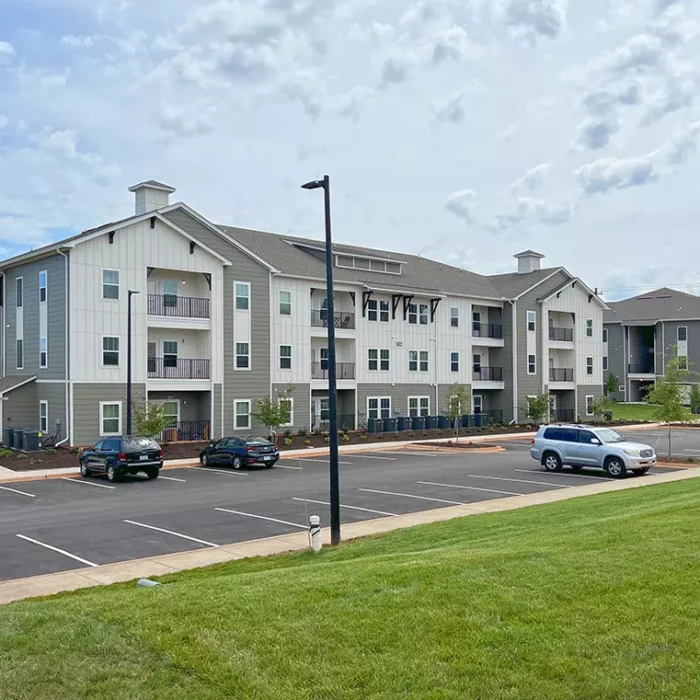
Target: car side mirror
{"type": "Point", "coordinates": [595, 441]}
{"type": "Point", "coordinates": [211, 443]}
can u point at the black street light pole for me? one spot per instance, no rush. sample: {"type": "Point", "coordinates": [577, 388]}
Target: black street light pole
{"type": "Point", "coordinates": [325, 184]}
{"type": "Point", "coordinates": [130, 293]}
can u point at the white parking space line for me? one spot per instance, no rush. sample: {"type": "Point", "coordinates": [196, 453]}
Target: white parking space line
{"type": "Point", "coordinates": [520, 481]}
{"type": "Point", "coordinates": [87, 483]}
{"type": "Point", "coordinates": [432, 455]}
{"type": "Point", "coordinates": [262, 517]}
{"type": "Point", "coordinates": [321, 461]}
{"type": "Point", "coordinates": [410, 495]}
{"type": "Point", "coordinates": [574, 476]}
{"type": "Point", "coordinates": [170, 532]}
{"type": "Point", "coordinates": [172, 478]}
{"type": "Point", "coordinates": [56, 549]}
{"type": "Point", "coordinates": [287, 466]}
{"type": "Point", "coordinates": [470, 488]}
{"type": "Point", "coordinates": [218, 471]}
{"type": "Point", "coordinates": [391, 459]}
{"type": "Point", "coordinates": [691, 450]}
{"type": "Point", "coordinates": [342, 505]}
{"type": "Point", "coordinates": [21, 493]}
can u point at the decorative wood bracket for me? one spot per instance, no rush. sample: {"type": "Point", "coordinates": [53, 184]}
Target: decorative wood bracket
{"type": "Point", "coordinates": [153, 222]}
{"type": "Point", "coordinates": [366, 296]}
{"type": "Point", "coordinates": [406, 303]}
{"type": "Point", "coordinates": [434, 303]}
{"type": "Point", "coordinates": [395, 301]}
{"type": "Point", "coordinates": [111, 237]}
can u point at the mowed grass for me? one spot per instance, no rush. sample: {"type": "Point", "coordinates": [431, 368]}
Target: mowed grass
{"type": "Point", "coordinates": [633, 411]}
{"type": "Point", "coordinates": [594, 598]}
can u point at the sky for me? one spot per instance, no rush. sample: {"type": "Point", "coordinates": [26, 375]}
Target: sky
{"type": "Point", "coordinates": [462, 130]}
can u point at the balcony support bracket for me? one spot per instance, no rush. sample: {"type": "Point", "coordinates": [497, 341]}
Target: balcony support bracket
{"type": "Point", "coordinates": [434, 303]}
{"type": "Point", "coordinates": [366, 296]}
{"type": "Point", "coordinates": [192, 247]}
{"type": "Point", "coordinates": [352, 296]}
{"type": "Point", "coordinates": [153, 222]}
{"type": "Point", "coordinates": [111, 237]}
{"type": "Point", "coordinates": [395, 301]}
{"type": "Point", "coordinates": [407, 301]}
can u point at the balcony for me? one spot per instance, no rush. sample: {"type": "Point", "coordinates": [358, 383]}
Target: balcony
{"type": "Point", "coordinates": [186, 431]}
{"type": "Point", "coordinates": [343, 371]}
{"type": "Point", "coordinates": [180, 307]}
{"type": "Point", "coordinates": [641, 368]}
{"type": "Point", "coordinates": [487, 374]}
{"type": "Point", "coordinates": [341, 319]}
{"type": "Point", "coordinates": [561, 375]}
{"type": "Point", "coordinates": [177, 368]}
{"type": "Point", "coordinates": [487, 330]}
{"type": "Point", "coordinates": [561, 335]}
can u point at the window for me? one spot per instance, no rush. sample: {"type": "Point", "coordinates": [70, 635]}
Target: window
{"type": "Point", "coordinates": [43, 354]}
{"type": "Point", "coordinates": [478, 403]}
{"type": "Point", "coordinates": [110, 351]}
{"type": "Point", "coordinates": [384, 311]}
{"type": "Point", "coordinates": [287, 406]}
{"type": "Point", "coordinates": [589, 407]}
{"type": "Point", "coordinates": [171, 411]}
{"type": "Point", "coordinates": [169, 353]}
{"type": "Point", "coordinates": [477, 364]}
{"type": "Point", "coordinates": [241, 413]}
{"type": "Point", "coordinates": [44, 416]}
{"type": "Point", "coordinates": [586, 437]}
{"type": "Point", "coordinates": [373, 360]}
{"type": "Point", "coordinates": [423, 314]}
{"type": "Point", "coordinates": [568, 435]}
{"type": "Point", "coordinates": [621, 388]}
{"type": "Point", "coordinates": [682, 333]}
{"type": "Point", "coordinates": [285, 303]}
{"type": "Point", "coordinates": [531, 364]}
{"type": "Point", "coordinates": [242, 356]}
{"type": "Point", "coordinates": [418, 406]}
{"type": "Point", "coordinates": [605, 364]}
{"type": "Point", "coordinates": [682, 362]}
{"type": "Point", "coordinates": [476, 323]}
{"type": "Point", "coordinates": [20, 353]}
{"type": "Point", "coordinates": [42, 286]}
{"type": "Point", "coordinates": [110, 284]}
{"type": "Point", "coordinates": [285, 357]}
{"type": "Point", "coordinates": [589, 365]}
{"type": "Point", "coordinates": [372, 310]}
{"type": "Point", "coordinates": [242, 296]}
{"type": "Point", "coordinates": [324, 358]}
{"type": "Point", "coordinates": [589, 327]}
{"type": "Point", "coordinates": [454, 362]}
{"type": "Point", "coordinates": [19, 286]}
{"type": "Point", "coordinates": [605, 335]}
{"type": "Point", "coordinates": [412, 313]}
{"type": "Point", "coordinates": [412, 360]}
{"type": "Point", "coordinates": [423, 360]}
{"type": "Point", "coordinates": [379, 407]}
{"type": "Point", "coordinates": [110, 418]}
{"type": "Point", "coordinates": [454, 317]}
{"type": "Point", "coordinates": [170, 289]}
{"type": "Point", "coordinates": [384, 360]}
{"type": "Point", "coordinates": [531, 319]}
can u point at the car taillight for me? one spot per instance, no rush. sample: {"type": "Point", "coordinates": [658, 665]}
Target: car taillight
{"type": "Point", "coordinates": [532, 442]}
{"type": "Point", "coordinates": [160, 454]}
{"type": "Point", "coordinates": [122, 456]}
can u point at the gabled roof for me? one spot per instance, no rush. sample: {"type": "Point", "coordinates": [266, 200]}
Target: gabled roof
{"type": "Point", "coordinates": [14, 381]}
{"type": "Point", "coordinates": [529, 254]}
{"type": "Point", "coordinates": [660, 305]}
{"type": "Point", "coordinates": [513, 284]}
{"type": "Point", "coordinates": [154, 184]}
{"type": "Point", "coordinates": [578, 281]}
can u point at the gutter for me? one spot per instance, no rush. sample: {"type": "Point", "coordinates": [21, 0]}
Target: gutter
{"type": "Point", "coordinates": [69, 422]}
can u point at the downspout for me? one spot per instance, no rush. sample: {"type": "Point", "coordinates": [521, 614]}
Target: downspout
{"type": "Point", "coordinates": [67, 368]}
{"type": "Point", "coordinates": [4, 324]}
{"type": "Point", "coordinates": [515, 363]}
{"type": "Point", "coordinates": [663, 348]}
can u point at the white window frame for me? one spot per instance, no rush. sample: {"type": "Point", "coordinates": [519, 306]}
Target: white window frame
{"type": "Point", "coordinates": [373, 310]}
{"type": "Point", "coordinates": [533, 363]}
{"type": "Point", "coordinates": [589, 412]}
{"type": "Point", "coordinates": [531, 319]}
{"type": "Point", "coordinates": [419, 408]}
{"type": "Point", "coordinates": [379, 409]}
{"type": "Point", "coordinates": [384, 360]}
{"type": "Point", "coordinates": [175, 354]}
{"type": "Point", "coordinates": [414, 352]}
{"type": "Point", "coordinates": [384, 311]}
{"type": "Point", "coordinates": [678, 339]}
{"type": "Point", "coordinates": [621, 388]}
{"type": "Point", "coordinates": [19, 282]}
{"type": "Point", "coordinates": [236, 308]}
{"type": "Point", "coordinates": [44, 416]}
{"type": "Point", "coordinates": [454, 362]}
{"type": "Point", "coordinates": [18, 364]}
{"type": "Point", "coordinates": [44, 287]}
{"type": "Point", "coordinates": [371, 360]}
{"type": "Point", "coordinates": [284, 304]}
{"type": "Point", "coordinates": [423, 354]}
{"type": "Point", "coordinates": [454, 316]}
{"type": "Point", "coordinates": [589, 328]}
{"type": "Point", "coordinates": [480, 397]}
{"type": "Point", "coordinates": [236, 355]}
{"type": "Point", "coordinates": [43, 361]}
{"type": "Point", "coordinates": [605, 363]}
{"type": "Point", "coordinates": [177, 416]}
{"type": "Point", "coordinates": [103, 433]}
{"type": "Point", "coordinates": [683, 365]}
{"type": "Point", "coordinates": [423, 313]}
{"type": "Point", "coordinates": [291, 411]}
{"type": "Point", "coordinates": [589, 366]}
{"type": "Point", "coordinates": [605, 335]}
{"type": "Point", "coordinates": [118, 285]}
{"type": "Point", "coordinates": [248, 404]}
{"type": "Point", "coordinates": [286, 357]}
{"type": "Point", "coordinates": [413, 314]}
{"type": "Point", "coordinates": [119, 352]}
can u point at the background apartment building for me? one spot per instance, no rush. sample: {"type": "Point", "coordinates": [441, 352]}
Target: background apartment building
{"type": "Point", "coordinates": [641, 334]}
{"type": "Point", "coordinates": [223, 316]}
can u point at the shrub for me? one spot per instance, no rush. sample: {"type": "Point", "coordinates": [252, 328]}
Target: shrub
{"type": "Point", "coordinates": [4, 452]}
{"type": "Point", "coordinates": [307, 441]}
{"type": "Point", "coordinates": [346, 437]}
{"type": "Point", "coordinates": [287, 433]}
{"type": "Point", "coordinates": [326, 439]}
{"type": "Point", "coordinates": [363, 437]}
{"type": "Point", "coordinates": [287, 441]}
{"type": "Point", "coordinates": [302, 432]}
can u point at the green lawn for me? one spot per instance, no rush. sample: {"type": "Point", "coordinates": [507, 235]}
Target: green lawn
{"type": "Point", "coordinates": [592, 599]}
{"type": "Point", "coordinates": [633, 411]}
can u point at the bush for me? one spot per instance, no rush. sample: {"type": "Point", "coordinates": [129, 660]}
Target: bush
{"type": "Point", "coordinates": [4, 452]}
{"type": "Point", "coordinates": [346, 437]}
{"type": "Point", "coordinates": [363, 437]}
{"type": "Point", "coordinates": [302, 432]}
{"type": "Point", "coordinates": [287, 434]}
{"type": "Point", "coordinates": [326, 439]}
{"type": "Point", "coordinates": [287, 441]}
{"type": "Point", "coordinates": [307, 441]}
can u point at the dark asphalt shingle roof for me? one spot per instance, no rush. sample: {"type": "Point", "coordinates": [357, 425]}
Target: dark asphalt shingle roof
{"type": "Point", "coordinates": [513, 284]}
{"type": "Point", "coordinates": [12, 381]}
{"type": "Point", "coordinates": [660, 304]}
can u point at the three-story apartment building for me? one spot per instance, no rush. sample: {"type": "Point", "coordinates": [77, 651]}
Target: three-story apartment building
{"type": "Point", "coordinates": [223, 316]}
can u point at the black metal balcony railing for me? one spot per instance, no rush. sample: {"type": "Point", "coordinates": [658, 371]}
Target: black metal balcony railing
{"type": "Point", "coordinates": [561, 375]}
{"type": "Point", "coordinates": [181, 307]}
{"type": "Point", "coordinates": [343, 370]}
{"type": "Point", "coordinates": [342, 319]}
{"type": "Point", "coordinates": [487, 330]}
{"type": "Point", "coordinates": [177, 368]}
{"type": "Point", "coordinates": [344, 422]}
{"type": "Point", "coordinates": [187, 431]}
{"type": "Point", "coordinates": [565, 335]}
{"type": "Point", "coordinates": [562, 415]}
{"type": "Point", "coordinates": [643, 368]}
{"type": "Point", "coordinates": [488, 374]}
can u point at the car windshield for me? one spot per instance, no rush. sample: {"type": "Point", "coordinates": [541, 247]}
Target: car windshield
{"type": "Point", "coordinates": [258, 441]}
{"type": "Point", "coordinates": [609, 436]}
{"type": "Point", "coordinates": [140, 443]}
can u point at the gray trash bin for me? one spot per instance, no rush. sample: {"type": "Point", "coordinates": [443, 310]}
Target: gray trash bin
{"type": "Point", "coordinates": [9, 437]}
{"type": "Point", "coordinates": [30, 441]}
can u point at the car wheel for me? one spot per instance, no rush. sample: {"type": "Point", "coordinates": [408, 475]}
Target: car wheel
{"type": "Point", "coordinates": [237, 463]}
{"type": "Point", "coordinates": [551, 462]}
{"type": "Point", "coordinates": [205, 460]}
{"type": "Point", "coordinates": [152, 473]}
{"type": "Point", "coordinates": [615, 468]}
{"type": "Point", "coordinates": [84, 471]}
{"type": "Point", "coordinates": [641, 471]}
{"type": "Point", "coordinates": [112, 474]}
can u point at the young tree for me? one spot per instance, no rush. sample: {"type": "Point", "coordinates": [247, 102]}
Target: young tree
{"type": "Point", "coordinates": [611, 384]}
{"type": "Point", "coordinates": [457, 398]}
{"type": "Point", "coordinates": [599, 407]}
{"type": "Point", "coordinates": [273, 412]}
{"type": "Point", "coordinates": [668, 394]}
{"type": "Point", "coordinates": [150, 420]}
{"type": "Point", "coordinates": [537, 408]}
{"type": "Point", "coordinates": [695, 399]}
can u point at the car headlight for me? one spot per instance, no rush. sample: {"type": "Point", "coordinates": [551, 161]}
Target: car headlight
{"type": "Point", "coordinates": [632, 453]}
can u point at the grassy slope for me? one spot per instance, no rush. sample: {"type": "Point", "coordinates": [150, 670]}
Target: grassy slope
{"type": "Point", "coordinates": [592, 598]}
{"type": "Point", "coordinates": [633, 411]}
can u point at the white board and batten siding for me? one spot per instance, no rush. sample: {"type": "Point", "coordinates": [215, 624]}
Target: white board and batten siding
{"type": "Point", "coordinates": [135, 248]}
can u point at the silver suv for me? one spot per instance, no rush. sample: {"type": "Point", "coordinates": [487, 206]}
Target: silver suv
{"type": "Point", "coordinates": [581, 446]}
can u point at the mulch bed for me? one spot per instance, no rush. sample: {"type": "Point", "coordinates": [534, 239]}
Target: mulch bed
{"type": "Point", "coordinates": [461, 445]}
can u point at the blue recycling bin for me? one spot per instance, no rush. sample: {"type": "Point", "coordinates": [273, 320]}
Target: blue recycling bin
{"type": "Point", "coordinates": [479, 420]}
{"type": "Point", "coordinates": [404, 423]}
{"type": "Point", "coordinates": [418, 423]}
{"type": "Point", "coordinates": [9, 437]}
{"type": "Point", "coordinates": [373, 425]}
{"type": "Point", "coordinates": [431, 423]}
{"type": "Point", "coordinates": [443, 422]}
{"type": "Point", "coordinates": [467, 421]}
{"type": "Point", "coordinates": [390, 425]}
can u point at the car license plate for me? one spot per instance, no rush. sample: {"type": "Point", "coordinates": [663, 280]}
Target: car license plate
{"type": "Point", "coordinates": [267, 459]}
{"type": "Point", "coordinates": [144, 458]}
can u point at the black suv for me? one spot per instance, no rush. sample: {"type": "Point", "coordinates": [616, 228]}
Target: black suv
{"type": "Point", "coordinates": [118, 456]}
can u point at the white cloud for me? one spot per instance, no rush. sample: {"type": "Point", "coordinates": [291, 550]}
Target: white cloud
{"type": "Point", "coordinates": [682, 144]}
{"type": "Point", "coordinates": [532, 179]}
{"type": "Point", "coordinates": [675, 95]}
{"type": "Point", "coordinates": [611, 173]}
{"type": "Point", "coordinates": [508, 133]}
{"type": "Point", "coordinates": [452, 44]}
{"type": "Point", "coordinates": [450, 109]}
{"type": "Point", "coordinates": [6, 51]}
{"type": "Point", "coordinates": [534, 18]}
{"type": "Point", "coordinates": [78, 42]}
{"type": "Point", "coordinates": [187, 121]}
{"type": "Point", "coordinates": [595, 134]}
{"type": "Point", "coordinates": [397, 67]}
{"type": "Point", "coordinates": [531, 212]}
{"type": "Point", "coordinates": [462, 204]}
{"type": "Point", "coordinates": [4, 121]}
{"type": "Point", "coordinates": [605, 101]}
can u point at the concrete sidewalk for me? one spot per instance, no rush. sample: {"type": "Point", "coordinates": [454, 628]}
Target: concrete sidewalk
{"type": "Point", "coordinates": [171, 563]}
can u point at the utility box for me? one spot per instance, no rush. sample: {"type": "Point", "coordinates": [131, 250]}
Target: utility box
{"type": "Point", "coordinates": [9, 437]}
{"type": "Point", "coordinates": [18, 438]}
{"type": "Point", "coordinates": [30, 441]}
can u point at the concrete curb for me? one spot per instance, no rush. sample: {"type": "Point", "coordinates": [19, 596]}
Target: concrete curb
{"type": "Point", "coordinates": [20, 589]}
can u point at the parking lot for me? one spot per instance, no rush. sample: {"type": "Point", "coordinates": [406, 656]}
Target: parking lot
{"type": "Point", "coordinates": [66, 523]}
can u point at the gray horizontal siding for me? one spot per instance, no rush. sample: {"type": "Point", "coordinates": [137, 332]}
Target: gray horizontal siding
{"type": "Point", "coordinates": [301, 393]}
{"type": "Point", "coordinates": [217, 428]}
{"type": "Point", "coordinates": [55, 394]}
{"type": "Point", "coordinates": [616, 358]}
{"type": "Point", "coordinates": [21, 409]}
{"type": "Point", "coordinates": [399, 394]}
{"type": "Point", "coordinates": [194, 405]}
{"type": "Point", "coordinates": [583, 391]}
